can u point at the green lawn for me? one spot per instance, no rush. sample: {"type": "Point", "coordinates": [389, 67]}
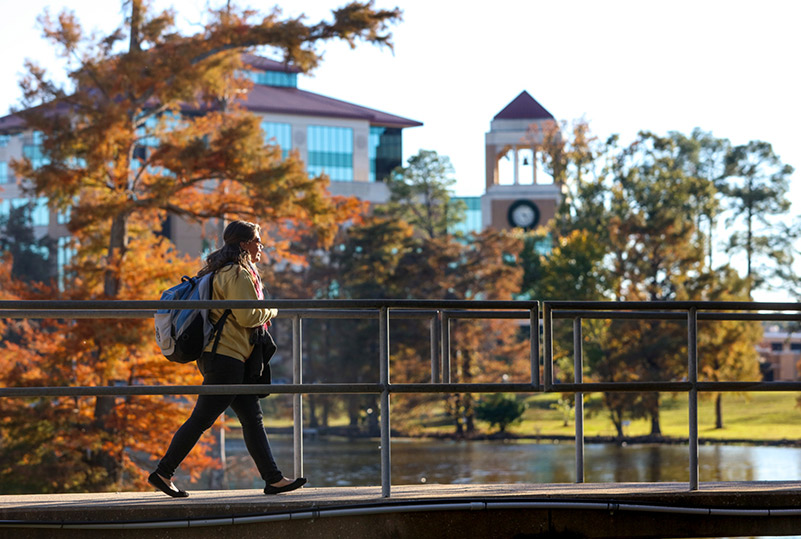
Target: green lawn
{"type": "Point", "coordinates": [751, 416]}
{"type": "Point", "coordinates": [758, 416]}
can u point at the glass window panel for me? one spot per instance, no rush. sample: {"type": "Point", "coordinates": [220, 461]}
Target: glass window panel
{"type": "Point", "coordinates": [385, 152]}
{"type": "Point", "coordinates": [280, 134]}
{"type": "Point", "coordinates": [273, 78]}
{"type": "Point", "coordinates": [40, 216]}
{"type": "Point", "coordinates": [330, 151]}
{"type": "Point", "coordinates": [63, 217]}
{"type": "Point", "coordinates": [64, 253]}
{"type": "Point", "coordinates": [3, 172]}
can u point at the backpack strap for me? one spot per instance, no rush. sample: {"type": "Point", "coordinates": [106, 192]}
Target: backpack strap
{"type": "Point", "coordinates": [218, 330]}
{"type": "Point", "coordinates": [218, 327]}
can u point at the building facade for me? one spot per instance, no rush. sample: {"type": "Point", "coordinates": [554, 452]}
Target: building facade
{"type": "Point", "coordinates": [355, 146]}
{"type": "Point", "coordinates": [779, 355]}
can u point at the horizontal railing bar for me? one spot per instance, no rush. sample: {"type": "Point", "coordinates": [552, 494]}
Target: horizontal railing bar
{"type": "Point", "coordinates": [60, 305]}
{"type": "Point", "coordinates": [673, 305]}
{"type": "Point", "coordinates": [735, 386]}
{"type": "Point", "coordinates": [238, 389]}
{"type": "Point", "coordinates": [345, 388]}
{"type": "Point", "coordinates": [663, 315]}
{"type": "Point", "coordinates": [74, 314]}
{"type": "Point", "coordinates": [352, 314]}
{"type": "Point", "coordinates": [623, 387]}
{"type": "Point", "coordinates": [362, 314]}
{"type": "Point", "coordinates": [273, 303]}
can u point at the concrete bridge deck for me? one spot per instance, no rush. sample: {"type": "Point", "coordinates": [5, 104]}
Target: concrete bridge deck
{"type": "Point", "coordinates": [510, 510]}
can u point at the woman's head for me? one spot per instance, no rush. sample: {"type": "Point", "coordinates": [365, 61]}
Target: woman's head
{"type": "Point", "coordinates": [242, 243]}
{"type": "Point", "coordinates": [246, 236]}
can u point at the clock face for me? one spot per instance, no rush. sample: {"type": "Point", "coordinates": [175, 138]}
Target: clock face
{"type": "Point", "coordinates": [523, 214]}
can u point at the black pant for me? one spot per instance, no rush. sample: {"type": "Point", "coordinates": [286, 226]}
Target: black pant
{"type": "Point", "coordinates": [223, 370]}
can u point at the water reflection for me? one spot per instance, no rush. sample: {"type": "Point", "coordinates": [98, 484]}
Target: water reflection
{"type": "Point", "coordinates": [342, 462]}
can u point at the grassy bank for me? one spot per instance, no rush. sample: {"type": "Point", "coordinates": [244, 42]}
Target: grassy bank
{"type": "Point", "coordinates": [757, 416]}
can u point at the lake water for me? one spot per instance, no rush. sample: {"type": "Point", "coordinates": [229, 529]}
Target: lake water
{"type": "Point", "coordinates": [342, 462]}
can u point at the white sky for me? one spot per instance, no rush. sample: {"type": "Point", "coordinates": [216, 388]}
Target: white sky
{"type": "Point", "coordinates": [730, 67]}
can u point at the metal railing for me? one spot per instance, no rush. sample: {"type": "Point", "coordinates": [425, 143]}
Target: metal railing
{"type": "Point", "coordinates": [440, 315]}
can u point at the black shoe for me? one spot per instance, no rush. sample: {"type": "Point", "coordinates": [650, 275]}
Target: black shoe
{"type": "Point", "coordinates": [296, 484]}
{"type": "Point", "coordinates": [167, 488]}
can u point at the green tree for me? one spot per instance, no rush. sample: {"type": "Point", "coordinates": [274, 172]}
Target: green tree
{"type": "Point", "coordinates": [702, 156]}
{"type": "Point", "coordinates": [726, 348]}
{"type": "Point", "coordinates": [756, 188]}
{"type": "Point", "coordinates": [501, 410]}
{"type": "Point", "coordinates": [420, 195]}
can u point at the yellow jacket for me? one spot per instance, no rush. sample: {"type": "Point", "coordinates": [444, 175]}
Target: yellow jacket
{"type": "Point", "coordinates": [235, 282]}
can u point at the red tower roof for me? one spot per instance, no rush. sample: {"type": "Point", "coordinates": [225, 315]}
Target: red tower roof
{"type": "Point", "coordinates": [524, 107]}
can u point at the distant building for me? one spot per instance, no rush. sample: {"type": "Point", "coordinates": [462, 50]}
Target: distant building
{"type": "Point", "coordinates": [779, 354]}
{"type": "Point", "coordinates": [355, 146]}
{"type": "Point", "coordinates": [516, 195]}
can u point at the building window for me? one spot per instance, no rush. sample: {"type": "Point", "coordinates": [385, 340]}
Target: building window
{"type": "Point", "coordinates": [795, 347]}
{"type": "Point", "coordinates": [3, 172]}
{"type": "Point", "coordinates": [65, 252]}
{"type": "Point", "coordinates": [32, 150]}
{"type": "Point", "coordinates": [472, 216]}
{"type": "Point", "coordinates": [273, 78]}
{"type": "Point", "coordinates": [331, 152]}
{"type": "Point", "coordinates": [280, 134]}
{"type": "Point", "coordinates": [386, 152]}
{"type": "Point", "coordinates": [776, 346]}
{"type": "Point", "coordinates": [63, 217]}
{"type": "Point", "coordinates": [40, 213]}
{"type": "Point", "coordinates": [4, 140]}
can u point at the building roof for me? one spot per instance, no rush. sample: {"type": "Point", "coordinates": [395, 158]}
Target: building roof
{"type": "Point", "coordinates": [524, 107]}
{"type": "Point", "coordinates": [284, 100]}
{"type": "Point", "coordinates": [260, 62]}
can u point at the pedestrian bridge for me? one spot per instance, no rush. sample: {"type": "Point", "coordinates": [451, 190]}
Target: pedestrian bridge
{"type": "Point", "coordinates": [442, 511]}
{"type": "Point", "coordinates": [517, 510]}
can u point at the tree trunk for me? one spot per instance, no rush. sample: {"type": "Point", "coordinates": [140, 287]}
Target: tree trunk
{"type": "Point", "coordinates": [326, 411]}
{"type": "Point", "coordinates": [469, 415]}
{"type": "Point", "coordinates": [312, 407]}
{"type": "Point", "coordinates": [719, 411]}
{"type": "Point", "coordinates": [136, 21]}
{"type": "Point", "coordinates": [656, 429]}
{"type": "Point", "coordinates": [373, 428]}
{"type": "Point", "coordinates": [118, 243]}
{"type": "Point", "coordinates": [749, 250]}
{"type": "Point", "coordinates": [467, 409]}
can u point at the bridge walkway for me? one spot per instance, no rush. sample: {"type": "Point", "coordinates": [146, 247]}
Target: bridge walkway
{"type": "Point", "coordinates": [494, 510]}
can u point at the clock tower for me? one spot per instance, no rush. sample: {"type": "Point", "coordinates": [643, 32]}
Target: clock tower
{"type": "Point", "coordinates": [515, 196]}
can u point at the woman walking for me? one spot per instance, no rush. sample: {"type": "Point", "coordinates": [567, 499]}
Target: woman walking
{"type": "Point", "coordinates": [235, 278]}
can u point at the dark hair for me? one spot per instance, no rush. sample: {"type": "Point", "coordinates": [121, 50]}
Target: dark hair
{"type": "Point", "coordinates": [236, 233]}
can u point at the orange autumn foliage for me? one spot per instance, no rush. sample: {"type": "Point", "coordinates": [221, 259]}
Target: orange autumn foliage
{"type": "Point", "coordinates": [154, 131]}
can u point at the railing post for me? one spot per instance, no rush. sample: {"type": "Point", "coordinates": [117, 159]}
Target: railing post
{"type": "Point", "coordinates": [547, 356]}
{"type": "Point", "coordinates": [383, 343]}
{"type": "Point", "coordinates": [446, 348]}
{"type": "Point", "coordinates": [534, 345]}
{"type": "Point", "coordinates": [434, 344]}
{"type": "Point", "coordinates": [692, 358]}
{"type": "Point", "coordinates": [579, 398]}
{"type": "Point", "coordinates": [297, 398]}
